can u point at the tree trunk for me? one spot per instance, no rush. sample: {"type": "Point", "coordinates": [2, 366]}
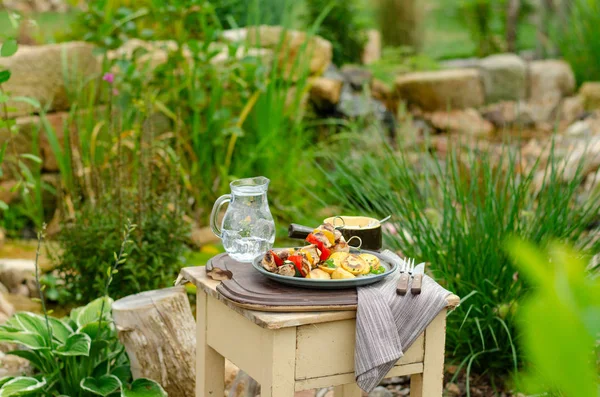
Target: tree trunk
{"type": "Point", "coordinates": [512, 22]}
{"type": "Point", "coordinates": [159, 333]}
{"type": "Point", "coordinates": [401, 23]}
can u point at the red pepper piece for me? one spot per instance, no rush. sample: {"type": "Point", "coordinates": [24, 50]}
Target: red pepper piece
{"type": "Point", "coordinates": [325, 253]}
{"type": "Point", "coordinates": [297, 260]}
{"type": "Point", "coordinates": [276, 258]}
{"type": "Point", "coordinates": [313, 240]}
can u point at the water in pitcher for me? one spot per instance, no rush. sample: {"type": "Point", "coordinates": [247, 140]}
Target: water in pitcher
{"type": "Point", "coordinates": [248, 229]}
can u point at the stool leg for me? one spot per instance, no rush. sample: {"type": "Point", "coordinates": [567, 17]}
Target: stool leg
{"type": "Point", "coordinates": [279, 370]}
{"type": "Point", "coordinates": [210, 365]}
{"type": "Point", "coordinates": [349, 390]}
{"type": "Point", "coordinates": [416, 385]}
{"type": "Point", "coordinates": [433, 363]}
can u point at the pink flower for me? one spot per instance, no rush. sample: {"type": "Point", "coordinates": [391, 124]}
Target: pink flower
{"type": "Point", "coordinates": [115, 91]}
{"type": "Point", "coordinates": [109, 78]}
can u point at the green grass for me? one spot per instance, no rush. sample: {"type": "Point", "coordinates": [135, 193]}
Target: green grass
{"type": "Point", "coordinates": [447, 36]}
{"type": "Point", "coordinates": [50, 26]}
{"type": "Point", "coordinates": [456, 213]}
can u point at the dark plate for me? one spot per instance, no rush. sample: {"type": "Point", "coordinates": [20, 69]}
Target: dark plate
{"type": "Point", "coordinates": [330, 284]}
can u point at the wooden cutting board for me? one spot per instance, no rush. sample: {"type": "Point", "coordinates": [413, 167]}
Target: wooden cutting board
{"type": "Point", "coordinates": [250, 289]}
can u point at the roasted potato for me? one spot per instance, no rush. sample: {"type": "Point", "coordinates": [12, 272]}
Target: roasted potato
{"type": "Point", "coordinates": [318, 274]}
{"type": "Point", "coordinates": [355, 265]}
{"type": "Point", "coordinates": [371, 260]}
{"type": "Point", "coordinates": [337, 258]}
{"type": "Point", "coordinates": [340, 274]}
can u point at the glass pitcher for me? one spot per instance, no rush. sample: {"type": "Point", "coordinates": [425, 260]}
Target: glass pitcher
{"type": "Point", "coordinates": [248, 229]}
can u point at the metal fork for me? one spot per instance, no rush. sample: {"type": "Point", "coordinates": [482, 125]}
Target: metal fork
{"type": "Point", "coordinates": [406, 270]}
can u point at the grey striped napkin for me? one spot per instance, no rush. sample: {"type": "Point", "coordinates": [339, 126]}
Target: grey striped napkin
{"type": "Point", "coordinates": [387, 324]}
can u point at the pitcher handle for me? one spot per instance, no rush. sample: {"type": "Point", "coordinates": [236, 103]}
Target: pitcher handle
{"type": "Point", "coordinates": [226, 198]}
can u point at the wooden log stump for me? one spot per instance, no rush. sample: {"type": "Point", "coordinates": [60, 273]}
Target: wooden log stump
{"type": "Point", "coordinates": [158, 331]}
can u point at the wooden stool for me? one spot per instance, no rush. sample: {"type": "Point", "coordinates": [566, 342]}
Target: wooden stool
{"type": "Point", "coordinates": [289, 352]}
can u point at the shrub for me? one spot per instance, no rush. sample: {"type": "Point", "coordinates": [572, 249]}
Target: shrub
{"type": "Point", "coordinates": [155, 253]}
{"type": "Point", "coordinates": [342, 26]}
{"type": "Point", "coordinates": [455, 213]}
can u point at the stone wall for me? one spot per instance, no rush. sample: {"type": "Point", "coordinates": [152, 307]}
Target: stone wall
{"type": "Point", "coordinates": [53, 75]}
{"type": "Point", "coordinates": [27, 6]}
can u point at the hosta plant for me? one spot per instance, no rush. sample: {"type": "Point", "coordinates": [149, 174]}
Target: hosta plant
{"type": "Point", "coordinates": [78, 356]}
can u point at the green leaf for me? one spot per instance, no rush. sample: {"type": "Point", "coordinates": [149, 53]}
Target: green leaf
{"type": "Point", "coordinates": [9, 48]}
{"type": "Point", "coordinates": [5, 379]}
{"type": "Point", "coordinates": [3, 206]}
{"type": "Point", "coordinates": [75, 345]}
{"type": "Point", "coordinates": [34, 323]}
{"type": "Point", "coordinates": [31, 356]}
{"type": "Point", "coordinates": [91, 312]}
{"type": "Point", "coordinates": [3, 151]}
{"type": "Point", "coordinates": [30, 101]}
{"type": "Point", "coordinates": [103, 386]}
{"type": "Point", "coordinates": [28, 339]}
{"type": "Point", "coordinates": [21, 386]}
{"type": "Point", "coordinates": [122, 372]}
{"type": "Point", "coordinates": [4, 76]}
{"type": "Point", "coordinates": [60, 330]}
{"type": "Point", "coordinates": [32, 157]}
{"type": "Point", "coordinates": [143, 388]}
{"type": "Point", "coordinates": [90, 329]}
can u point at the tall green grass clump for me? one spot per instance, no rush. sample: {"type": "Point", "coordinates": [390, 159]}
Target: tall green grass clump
{"type": "Point", "coordinates": [455, 213]}
{"type": "Point", "coordinates": [576, 35]}
{"type": "Point", "coordinates": [344, 25]}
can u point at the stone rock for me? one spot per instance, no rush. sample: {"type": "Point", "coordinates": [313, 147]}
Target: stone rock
{"type": "Point", "coordinates": [18, 275]}
{"type": "Point", "coordinates": [14, 366]}
{"type": "Point", "coordinates": [508, 114]}
{"type": "Point", "coordinates": [6, 308]}
{"type": "Point", "coordinates": [550, 80]}
{"type": "Point", "coordinates": [35, 6]}
{"type": "Point", "coordinates": [372, 51]}
{"type": "Point", "coordinates": [442, 90]}
{"type": "Point", "coordinates": [467, 121]}
{"type": "Point", "coordinates": [504, 77]}
{"type": "Point", "coordinates": [325, 91]}
{"type": "Point", "coordinates": [453, 389]}
{"type": "Point", "coordinates": [231, 372]}
{"type": "Point", "coordinates": [202, 236]}
{"type": "Point", "coordinates": [381, 391]}
{"type": "Point", "coordinates": [571, 109]}
{"type": "Point", "coordinates": [38, 72]}
{"type": "Point", "coordinates": [584, 128]}
{"type": "Point", "coordinates": [590, 94]}
{"type": "Point", "coordinates": [293, 47]}
{"type": "Point", "coordinates": [466, 63]}
{"type": "Point", "coordinates": [357, 76]}
{"type": "Point", "coordinates": [332, 72]}
{"type": "Point", "coordinates": [352, 104]}
{"type": "Point", "coordinates": [151, 54]}
{"type": "Point", "coordinates": [6, 191]}
{"type": "Point", "coordinates": [584, 153]}
{"type": "Point", "coordinates": [383, 93]}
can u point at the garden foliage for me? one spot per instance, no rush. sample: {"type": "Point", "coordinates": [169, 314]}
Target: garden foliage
{"type": "Point", "coordinates": [343, 25]}
{"type": "Point", "coordinates": [78, 356]}
{"type": "Point", "coordinates": [576, 35]}
{"type": "Point", "coordinates": [456, 213]}
{"type": "Point", "coordinates": [559, 320]}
